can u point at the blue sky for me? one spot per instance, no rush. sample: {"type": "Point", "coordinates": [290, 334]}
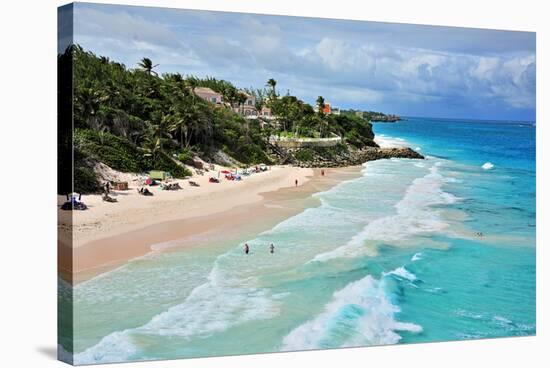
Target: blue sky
{"type": "Point", "coordinates": [396, 68]}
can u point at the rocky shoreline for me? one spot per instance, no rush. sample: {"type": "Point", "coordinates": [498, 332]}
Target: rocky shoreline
{"type": "Point", "coordinates": [341, 158]}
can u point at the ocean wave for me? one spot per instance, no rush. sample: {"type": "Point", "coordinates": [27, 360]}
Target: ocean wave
{"type": "Point", "coordinates": [415, 215]}
{"type": "Point", "coordinates": [416, 257]}
{"type": "Point", "coordinates": [113, 348]}
{"type": "Point", "coordinates": [469, 314]}
{"type": "Point", "coordinates": [403, 273]}
{"type": "Point", "coordinates": [222, 302]}
{"type": "Point", "coordinates": [487, 166]}
{"type": "Point", "coordinates": [385, 141]}
{"type": "Point", "coordinates": [360, 314]}
{"type": "Point", "coordinates": [502, 320]}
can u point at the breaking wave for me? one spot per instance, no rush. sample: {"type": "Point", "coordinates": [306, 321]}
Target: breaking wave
{"type": "Point", "coordinates": [360, 314]}
{"type": "Point", "coordinates": [415, 215]}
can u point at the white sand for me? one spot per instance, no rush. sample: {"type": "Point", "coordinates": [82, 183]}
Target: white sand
{"type": "Point", "coordinates": [134, 211]}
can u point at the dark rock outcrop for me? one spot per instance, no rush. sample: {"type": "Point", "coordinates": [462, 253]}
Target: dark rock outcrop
{"type": "Point", "coordinates": [371, 153]}
{"type": "Point", "coordinates": [352, 157]}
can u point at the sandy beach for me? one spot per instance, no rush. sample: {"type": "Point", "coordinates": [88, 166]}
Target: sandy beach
{"type": "Point", "coordinates": [109, 234]}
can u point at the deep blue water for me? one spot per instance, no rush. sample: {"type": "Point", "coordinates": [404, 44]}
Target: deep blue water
{"type": "Point", "coordinates": [482, 286]}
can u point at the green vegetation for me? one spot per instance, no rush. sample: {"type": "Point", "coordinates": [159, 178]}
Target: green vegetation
{"type": "Point", "coordinates": [372, 115]}
{"type": "Point", "coordinates": [122, 155]}
{"type": "Point", "coordinates": [298, 119]}
{"type": "Point", "coordinates": [305, 154]}
{"type": "Point", "coordinates": [135, 120]}
{"type": "Point", "coordinates": [321, 153]}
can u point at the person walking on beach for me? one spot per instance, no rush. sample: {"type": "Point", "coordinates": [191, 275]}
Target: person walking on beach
{"type": "Point", "coordinates": [296, 182]}
{"type": "Point", "coordinates": [271, 248]}
{"type": "Point", "coordinates": [322, 172]}
{"type": "Point", "coordinates": [107, 187]}
{"type": "Point", "coordinates": [246, 248]}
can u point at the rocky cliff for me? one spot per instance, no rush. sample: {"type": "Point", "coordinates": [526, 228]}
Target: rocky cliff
{"type": "Point", "coordinates": [342, 155]}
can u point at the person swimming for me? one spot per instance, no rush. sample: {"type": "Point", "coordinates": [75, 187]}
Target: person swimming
{"type": "Point", "coordinates": [246, 248]}
{"type": "Point", "coordinates": [271, 248]}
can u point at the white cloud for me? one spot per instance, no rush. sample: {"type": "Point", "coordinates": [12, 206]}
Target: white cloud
{"type": "Point", "coordinates": [350, 63]}
{"type": "Point", "coordinates": [122, 25]}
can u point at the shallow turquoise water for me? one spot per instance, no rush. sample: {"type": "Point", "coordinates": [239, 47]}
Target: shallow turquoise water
{"type": "Point", "coordinates": [390, 257]}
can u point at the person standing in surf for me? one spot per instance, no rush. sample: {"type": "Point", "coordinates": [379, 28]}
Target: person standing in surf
{"type": "Point", "coordinates": [271, 248]}
{"type": "Point", "coordinates": [246, 248]}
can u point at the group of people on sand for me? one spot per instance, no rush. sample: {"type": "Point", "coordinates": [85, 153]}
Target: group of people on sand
{"type": "Point", "coordinates": [247, 248]}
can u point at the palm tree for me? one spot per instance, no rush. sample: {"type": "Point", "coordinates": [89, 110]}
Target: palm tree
{"type": "Point", "coordinates": [191, 84]}
{"type": "Point", "coordinates": [323, 125]}
{"type": "Point", "coordinates": [179, 126]}
{"type": "Point", "coordinates": [160, 128]}
{"type": "Point", "coordinates": [272, 83]}
{"type": "Point", "coordinates": [150, 145]}
{"type": "Point", "coordinates": [321, 104]}
{"type": "Point", "coordinates": [147, 65]}
{"type": "Point", "coordinates": [259, 105]}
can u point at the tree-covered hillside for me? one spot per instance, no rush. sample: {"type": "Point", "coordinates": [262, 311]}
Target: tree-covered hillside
{"type": "Point", "coordinates": [135, 120]}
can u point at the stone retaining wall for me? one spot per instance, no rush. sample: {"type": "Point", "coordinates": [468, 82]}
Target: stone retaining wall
{"type": "Point", "coordinates": [295, 143]}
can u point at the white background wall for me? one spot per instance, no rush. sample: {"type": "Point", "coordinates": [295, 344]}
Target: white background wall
{"type": "Point", "coordinates": [28, 207]}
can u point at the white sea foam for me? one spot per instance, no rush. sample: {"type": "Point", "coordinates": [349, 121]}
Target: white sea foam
{"type": "Point", "coordinates": [469, 314]}
{"type": "Point", "coordinates": [222, 302]}
{"type": "Point", "coordinates": [403, 273]}
{"type": "Point", "coordinates": [116, 347]}
{"type": "Point", "coordinates": [502, 320]}
{"type": "Point", "coordinates": [385, 141]}
{"type": "Point", "coordinates": [415, 216]}
{"type": "Point", "coordinates": [416, 257]}
{"type": "Point", "coordinates": [487, 166]}
{"type": "Point", "coordinates": [359, 314]}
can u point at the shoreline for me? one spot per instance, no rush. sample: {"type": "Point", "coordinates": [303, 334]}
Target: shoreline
{"type": "Point", "coordinates": [233, 211]}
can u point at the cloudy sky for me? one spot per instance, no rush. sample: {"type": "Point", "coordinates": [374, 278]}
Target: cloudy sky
{"type": "Point", "coordinates": [396, 68]}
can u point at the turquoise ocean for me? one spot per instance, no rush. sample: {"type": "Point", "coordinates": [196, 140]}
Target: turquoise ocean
{"type": "Point", "coordinates": [411, 251]}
